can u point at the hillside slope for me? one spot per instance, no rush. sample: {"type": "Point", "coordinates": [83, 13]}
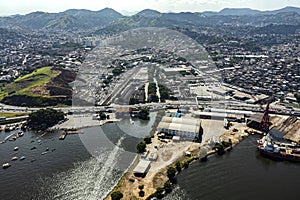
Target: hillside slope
{"type": "Point", "coordinates": [45, 86]}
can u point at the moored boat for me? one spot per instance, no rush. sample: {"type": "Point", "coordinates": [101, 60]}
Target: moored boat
{"type": "Point", "coordinates": [14, 158]}
{"type": "Point", "coordinates": [23, 158]}
{"type": "Point", "coordinates": [6, 165]}
{"type": "Point", "coordinates": [20, 134]}
{"type": "Point", "coordinates": [277, 150]}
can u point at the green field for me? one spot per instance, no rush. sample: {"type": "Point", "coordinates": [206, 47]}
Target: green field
{"type": "Point", "coordinates": [24, 84]}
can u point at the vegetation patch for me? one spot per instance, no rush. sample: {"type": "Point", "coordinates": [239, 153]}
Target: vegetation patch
{"type": "Point", "coordinates": [30, 84]}
{"type": "Point", "coordinates": [45, 86]}
{"type": "Point", "coordinates": [44, 118]}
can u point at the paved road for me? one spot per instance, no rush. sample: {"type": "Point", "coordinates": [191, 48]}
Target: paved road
{"type": "Point", "coordinates": [232, 105]}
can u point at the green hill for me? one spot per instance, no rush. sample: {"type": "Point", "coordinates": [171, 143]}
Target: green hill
{"type": "Point", "coordinates": [39, 88]}
{"type": "Point", "coordinates": [28, 84]}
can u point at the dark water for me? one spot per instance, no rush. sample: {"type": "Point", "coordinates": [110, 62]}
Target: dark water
{"type": "Point", "coordinates": [20, 179]}
{"type": "Point", "coordinates": [240, 174]}
{"type": "Point", "coordinates": [84, 166]}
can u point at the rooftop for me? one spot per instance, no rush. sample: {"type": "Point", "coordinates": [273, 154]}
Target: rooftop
{"type": "Point", "coordinates": [180, 124]}
{"type": "Point", "coordinates": [142, 167]}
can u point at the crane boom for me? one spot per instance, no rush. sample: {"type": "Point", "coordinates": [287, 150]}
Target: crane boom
{"type": "Point", "coordinates": [265, 122]}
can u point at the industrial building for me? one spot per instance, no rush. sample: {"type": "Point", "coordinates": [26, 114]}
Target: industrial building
{"type": "Point", "coordinates": [186, 128]}
{"type": "Point", "coordinates": [142, 168]}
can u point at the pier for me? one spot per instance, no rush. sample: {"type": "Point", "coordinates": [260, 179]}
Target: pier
{"type": "Point", "coordinates": [65, 133]}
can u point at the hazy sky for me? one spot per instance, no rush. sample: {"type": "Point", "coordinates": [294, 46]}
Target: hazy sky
{"type": "Point", "coordinates": [9, 7]}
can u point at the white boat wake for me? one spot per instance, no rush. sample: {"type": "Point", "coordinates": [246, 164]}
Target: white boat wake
{"type": "Point", "coordinates": [91, 179]}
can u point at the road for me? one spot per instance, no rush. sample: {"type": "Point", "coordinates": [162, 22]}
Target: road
{"type": "Point", "coordinates": [232, 105]}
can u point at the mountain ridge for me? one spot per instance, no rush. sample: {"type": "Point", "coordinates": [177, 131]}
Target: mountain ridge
{"type": "Point", "coordinates": [83, 19]}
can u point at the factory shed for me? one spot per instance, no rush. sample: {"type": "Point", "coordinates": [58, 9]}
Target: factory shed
{"type": "Point", "coordinates": [186, 128]}
{"type": "Point", "coordinates": [142, 168]}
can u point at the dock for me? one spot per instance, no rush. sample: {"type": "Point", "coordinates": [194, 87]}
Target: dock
{"type": "Point", "coordinates": [65, 133]}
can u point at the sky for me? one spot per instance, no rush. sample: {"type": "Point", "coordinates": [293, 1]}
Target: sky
{"type": "Point", "coordinates": [11, 7]}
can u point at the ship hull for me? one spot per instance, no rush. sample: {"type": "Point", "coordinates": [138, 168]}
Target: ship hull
{"type": "Point", "coordinates": [278, 156]}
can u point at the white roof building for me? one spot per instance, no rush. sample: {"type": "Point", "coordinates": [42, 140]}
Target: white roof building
{"type": "Point", "coordinates": [184, 127]}
{"type": "Point", "coordinates": [142, 167]}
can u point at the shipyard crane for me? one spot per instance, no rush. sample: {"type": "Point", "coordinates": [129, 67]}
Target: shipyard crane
{"type": "Point", "coordinates": [270, 110]}
{"type": "Point", "coordinates": [265, 122]}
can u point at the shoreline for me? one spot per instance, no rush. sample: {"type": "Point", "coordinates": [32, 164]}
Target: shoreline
{"type": "Point", "coordinates": [107, 195]}
{"type": "Point", "coordinates": [158, 178]}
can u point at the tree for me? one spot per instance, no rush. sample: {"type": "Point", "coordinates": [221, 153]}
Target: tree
{"type": "Point", "coordinates": [141, 187]}
{"type": "Point", "coordinates": [102, 116]}
{"type": "Point", "coordinates": [159, 193]}
{"type": "Point", "coordinates": [117, 195]}
{"type": "Point", "coordinates": [106, 81]}
{"type": "Point", "coordinates": [141, 192]}
{"type": "Point", "coordinates": [178, 166]}
{"type": "Point", "coordinates": [144, 113]}
{"type": "Point", "coordinates": [147, 140]}
{"type": "Point", "coordinates": [168, 187]}
{"type": "Point", "coordinates": [117, 71]}
{"type": "Point", "coordinates": [141, 147]}
{"type": "Point", "coordinates": [133, 101]}
{"type": "Point", "coordinates": [186, 164]}
{"type": "Point", "coordinates": [109, 77]}
{"type": "Point", "coordinates": [171, 172]}
{"type": "Point", "coordinates": [44, 118]}
{"type": "Point", "coordinates": [219, 148]}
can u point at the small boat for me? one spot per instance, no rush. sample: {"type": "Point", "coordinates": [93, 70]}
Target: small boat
{"type": "Point", "coordinates": [16, 148]}
{"type": "Point", "coordinates": [13, 138]}
{"type": "Point", "coordinates": [23, 127]}
{"type": "Point", "coordinates": [8, 129]}
{"type": "Point", "coordinates": [33, 160]}
{"type": "Point", "coordinates": [22, 158]}
{"type": "Point", "coordinates": [32, 148]}
{"type": "Point", "coordinates": [20, 134]}
{"type": "Point", "coordinates": [6, 165]}
{"type": "Point", "coordinates": [14, 158]}
{"type": "Point", "coordinates": [47, 149]}
{"type": "Point", "coordinates": [45, 152]}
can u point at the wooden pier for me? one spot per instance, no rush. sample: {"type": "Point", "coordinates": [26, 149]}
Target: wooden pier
{"type": "Point", "coordinates": [65, 133]}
